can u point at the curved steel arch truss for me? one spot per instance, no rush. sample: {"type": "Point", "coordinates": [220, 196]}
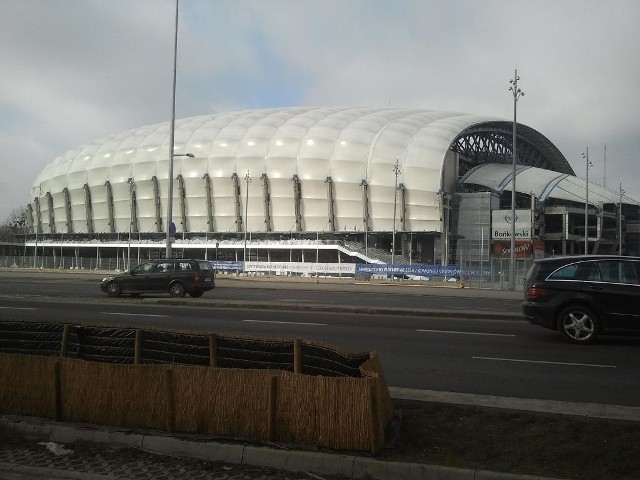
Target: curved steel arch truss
{"type": "Point", "coordinates": [491, 142]}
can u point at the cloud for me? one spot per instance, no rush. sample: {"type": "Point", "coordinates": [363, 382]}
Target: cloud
{"type": "Point", "coordinates": [74, 72]}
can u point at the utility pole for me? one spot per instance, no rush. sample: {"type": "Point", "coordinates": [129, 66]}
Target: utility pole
{"type": "Point", "coordinates": [396, 170]}
{"type": "Point", "coordinates": [247, 179]}
{"type": "Point", "coordinates": [586, 202]}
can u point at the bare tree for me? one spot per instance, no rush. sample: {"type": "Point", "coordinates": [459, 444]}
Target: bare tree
{"type": "Point", "coordinates": [14, 225]}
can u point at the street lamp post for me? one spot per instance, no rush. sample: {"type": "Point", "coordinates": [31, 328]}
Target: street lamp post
{"type": "Point", "coordinates": [396, 170]}
{"type": "Point", "coordinates": [586, 202]}
{"type": "Point", "coordinates": [35, 249]}
{"type": "Point", "coordinates": [132, 189]}
{"type": "Point", "coordinates": [517, 93]}
{"type": "Point", "coordinates": [172, 128]}
{"type": "Point", "coordinates": [38, 220]}
{"type": "Point", "coordinates": [247, 179]}
{"type": "Point", "coordinates": [620, 221]}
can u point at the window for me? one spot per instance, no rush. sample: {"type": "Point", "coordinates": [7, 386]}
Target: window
{"type": "Point", "coordinates": [164, 267]}
{"type": "Point", "coordinates": [614, 271]}
{"type": "Point", "coordinates": [144, 268]}
{"type": "Point", "coordinates": [594, 272]}
{"type": "Point", "coordinates": [568, 272]}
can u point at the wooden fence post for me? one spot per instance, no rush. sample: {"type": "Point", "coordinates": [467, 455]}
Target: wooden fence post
{"type": "Point", "coordinates": [138, 348]}
{"type": "Point", "coordinates": [170, 399]}
{"type": "Point", "coordinates": [57, 392]}
{"type": "Point", "coordinates": [297, 355]}
{"type": "Point", "coordinates": [64, 346]}
{"type": "Point", "coordinates": [374, 417]}
{"type": "Point", "coordinates": [273, 392]}
{"type": "Point", "coordinates": [213, 350]}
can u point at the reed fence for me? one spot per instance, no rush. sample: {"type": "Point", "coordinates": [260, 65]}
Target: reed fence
{"type": "Point", "coordinates": [291, 391]}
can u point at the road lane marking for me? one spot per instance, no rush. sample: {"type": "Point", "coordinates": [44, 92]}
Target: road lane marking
{"type": "Point", "coordinates": [287, 323]}
{"type": "Point", "coordinates": [134, 314]}
{"type": "Point", "coordinates": [595, 365]}
{"type": "Point", "coordinates": [18, 308]}
{"type": "Point", "coordinates": [467, 333]}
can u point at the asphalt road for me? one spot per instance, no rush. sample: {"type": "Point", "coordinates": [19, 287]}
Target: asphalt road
{"type": "Point", "coordinates": [448, 348]}
{"type": "Point", "coordinates": [85, 286]}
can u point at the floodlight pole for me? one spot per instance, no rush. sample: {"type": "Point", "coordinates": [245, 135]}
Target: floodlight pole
{"type": "Point", "coordinates": [517, 93]}
{"type": "Point", "coordinates": [586, 202]}
{"type": "Point", "coordinates": [396, 170]}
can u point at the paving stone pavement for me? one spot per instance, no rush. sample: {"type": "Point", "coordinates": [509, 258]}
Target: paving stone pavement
{"type": "Point", "coordinates": [115, 462]}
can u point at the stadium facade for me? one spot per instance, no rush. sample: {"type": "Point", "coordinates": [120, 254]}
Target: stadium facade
{"type": "Point", "coordinates": [345, 182]}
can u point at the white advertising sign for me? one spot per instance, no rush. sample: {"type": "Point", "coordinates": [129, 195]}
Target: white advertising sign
{"type": "Point", "coordinates": [501, 224]}
{"type": "Point", "coordinates": [300, 267]}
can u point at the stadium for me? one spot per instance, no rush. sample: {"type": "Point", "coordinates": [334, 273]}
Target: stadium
{"type": "Point", "coordinates": [326, 186]}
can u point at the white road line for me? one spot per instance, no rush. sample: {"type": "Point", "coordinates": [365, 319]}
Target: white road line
{"type": "Point", "coordinates": [467, 333]}
{"type": "Point", "coordinates": [288, 323]}
{"type": "Point", "coordinates": [18, 308]}
{"type": "Point", "coordinates": [595, 365]}
{"type": "Point", "coordinates": [133, 314]}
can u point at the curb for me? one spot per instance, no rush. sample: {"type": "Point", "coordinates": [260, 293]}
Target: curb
{"type": "Point", "coordinates": [349, 466]}
{"type": "Point", "coordinates": [495, 315]}
{"type": "Point", "coordinates": [554, 407]}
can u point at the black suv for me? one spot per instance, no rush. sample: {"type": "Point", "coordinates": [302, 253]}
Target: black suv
{"type": "Point", "coordinates": [177, 276]}
{"type": "Point", "coordinates": [583, 296]}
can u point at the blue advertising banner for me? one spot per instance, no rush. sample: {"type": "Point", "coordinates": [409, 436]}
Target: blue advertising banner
{"type": "Point", "coordinates": [402, 269]}
{"type": "Point", "coordinates": [224, 265]}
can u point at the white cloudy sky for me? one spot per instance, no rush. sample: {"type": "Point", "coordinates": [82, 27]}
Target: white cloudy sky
{"type": "Point", "coordinates": [72, 71]}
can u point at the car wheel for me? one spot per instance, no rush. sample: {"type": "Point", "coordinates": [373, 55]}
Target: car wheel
{"type": "Point", "coordinates": [177, 289]}
{"type": "Point", "coordinates": [196, 294]}
{"type": "Point", "coordinates": [114, 289]}
{"type": "Point", "coordinates": [579, 324]}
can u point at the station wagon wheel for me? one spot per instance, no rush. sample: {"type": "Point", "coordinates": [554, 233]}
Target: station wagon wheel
{"type": "Point", "coordinates": [177, 289]}
{"type": "Point", "coordinates": [578, 324]}
{"type": "Point", "coordinates": [113, 289]}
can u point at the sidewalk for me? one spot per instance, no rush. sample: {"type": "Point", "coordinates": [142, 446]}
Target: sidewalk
{"type": "Point", "coordinates": [91, 453]}
{"type": "Point", "coordinates": [104, 453]}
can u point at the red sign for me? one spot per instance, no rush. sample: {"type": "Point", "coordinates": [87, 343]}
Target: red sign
{"type": "Point", "coordinates": [524, 249]}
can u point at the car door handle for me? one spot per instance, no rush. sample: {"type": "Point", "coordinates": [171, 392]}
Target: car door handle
{"type": "Point", "coordinates": [595, 287]}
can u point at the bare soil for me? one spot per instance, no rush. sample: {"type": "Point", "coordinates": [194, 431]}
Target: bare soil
{"type": "Point", "coordinates": [558, 446]}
